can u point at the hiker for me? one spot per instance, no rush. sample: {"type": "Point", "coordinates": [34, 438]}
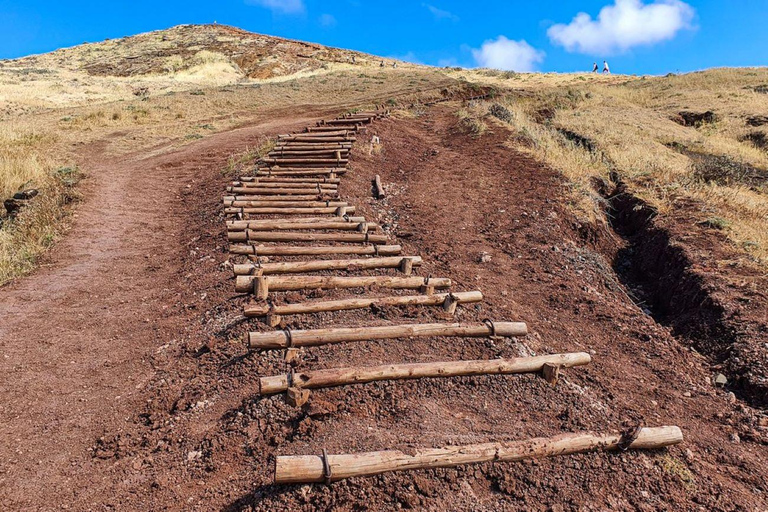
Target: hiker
{"type": "Point", "coordinates": [594, 67]}
{"type": "Point", "coordinates": [606, 69]}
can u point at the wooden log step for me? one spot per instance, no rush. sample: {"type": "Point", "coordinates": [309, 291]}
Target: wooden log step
{"type": "Point", "coordinates": [254, 181]}
{"type": "Point", "coordinates": [285, 210]}
{"type": "Point", "coordinates": [289, 236]}
{"type": "Point", "coordinates": [317, 137]}
{"type": "Point", "coordinates": [279, 201]}
{"type": "Point", "coordinates": [282, 250]}
{"type": "Point", "coordinates": [301, 171]}
{"type": "Point", "coordinates": [337, 132]}
{"type": "Point", "coordinates": [250, 186]}
{"type": "Point", "coordinates": [295, 153]}
{"type": "Point", "coordinates": [253, 191]}
{"type": "Point", "coordinates": [287, 191]}
{"type": "Point", "coordinates": [344, 376]}
{"type": "Point", "coordinates": [262, 285]}
{"type": "Point", "coordinates": [449, 301]}
{"type": "Point", "coordinates": [242, 225]}
{"type": "Point", "coordinates": [347, 120]}
{"type": "Point", "coordinates": [313, 145]}
{"type": "Point", "coordinates": [293, 203]}
{"type": "Point", "coordinates": [266, 233]}
{"type": "Point", "coordinates": [304, 162]}
{"type": "Point", "coordinates": [297, 469]}
{"type": "Point", "coordinates": [315, 337]}
{"type": "Point", "coordinates": [294, 267]}
{"type": "Point", "coordinates": [331, 129]}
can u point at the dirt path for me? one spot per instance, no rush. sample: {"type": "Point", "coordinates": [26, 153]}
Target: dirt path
{"type": "Point", "coordinates": [76, 336]}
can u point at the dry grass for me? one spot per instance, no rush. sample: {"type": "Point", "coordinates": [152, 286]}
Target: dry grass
{"type": "Point", "coordinates": [586, 126]}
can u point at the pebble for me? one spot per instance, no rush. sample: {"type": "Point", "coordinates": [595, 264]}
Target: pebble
{"type": "Point", "coordinates": [720, 380]}
{"type": "Point", "coordinates": [735, 438]}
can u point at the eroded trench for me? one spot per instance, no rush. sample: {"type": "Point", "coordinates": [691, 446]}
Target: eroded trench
{"type": "Point", "coordinates": [659, 275]}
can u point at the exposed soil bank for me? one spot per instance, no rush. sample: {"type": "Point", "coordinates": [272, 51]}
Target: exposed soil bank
{"type": "Point", "coordinates": [667, 275]}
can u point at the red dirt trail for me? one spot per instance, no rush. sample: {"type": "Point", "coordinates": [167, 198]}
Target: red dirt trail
{"type": "Point", "coordinates": [126, 384]}
{"type": "Point", "coordinates": [76, 335]}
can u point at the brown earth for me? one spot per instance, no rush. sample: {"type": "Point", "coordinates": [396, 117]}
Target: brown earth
{"type": "Point", "coordinates": [127, 385]}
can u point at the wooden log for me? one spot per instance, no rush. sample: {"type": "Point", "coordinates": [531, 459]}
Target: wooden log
{"type": "Point", "coordinates": [439, 299]}
{"type": "Point", "coordinates": [317, 137]}
{"type": "Point", "coordinates": [289, 236]}
{"type": "Point", "coordinates": [248, 284]}
{"type": "Point", "coordinates": [297, 469]}
{"type": "Point", "coordinates": [255, 180]}
{"type": "Point", "coordinates": [344, 376]}
{"type": "Point", "coordinates": [250, 186]}
{"type": "Point", "coordinates": [327, 153]}
{"type": "Point", "coordinates": [282, 250]}
{"type": "Point", "coordinates": [285, 210]}
{"type": "Point", "coordinates": [294, 203]}
{"type": "Point", "coordinates": [258, 234]}
{"type": "Point", "coordinates": [331, 129]}
{"type": "Point", "coordinates": [304, 161]}
{"type": "Point", "coordinates": [242, 225]}
{"type": "Point", "coordinates": [313, 145]}
{"type": "Point", "coordinates": [275, 201]}
{"type": "Point", "coordinates": [287, 191]}
{"type": "Point", "coordinates": [348, 120]}
{"type": "Point", "coordinates": [298, 171]}
{"type": "Point", "coordinates": [298, 267]}
{"type": "Point", "coordinates": [314, 337]}
{"type": "Point", "coordinates": [378, 188]}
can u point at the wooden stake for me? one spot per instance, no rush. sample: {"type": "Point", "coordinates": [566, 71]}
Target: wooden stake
{"type": "Point", "coordinates": [295, 267]}
{"type": "Point", "coordinates": [296, 397]}
{"type": "Point", "coordinates": [313, 469]}
{"type": "Point", "coordinates": [263, 310]}
{"type": "Point", "coordinates": [315, 337]}
{"type": "Point", "coordinates": [378, 188]}
{"type": "Point", "coordinates": [344, 376]}
{"type": "Point", "coordinates": [244, 284]}
{"type": "Point", "coordinates": [282, 250]}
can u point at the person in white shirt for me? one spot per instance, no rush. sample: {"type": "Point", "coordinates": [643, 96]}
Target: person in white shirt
{"type": "Point", "coordinates": [606, 69]}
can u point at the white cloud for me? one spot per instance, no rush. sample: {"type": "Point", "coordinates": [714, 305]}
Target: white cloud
{"type": "Point", "coordinates": [327, 20]}
{"type": "Point", "coordinates": [506, 54]}
{"type": "Point", "coordinates": [280, 6]}
{"type": "Point", "coordinates": [440, 14]}
{"type": "Point", "coordinates": [623, 25]}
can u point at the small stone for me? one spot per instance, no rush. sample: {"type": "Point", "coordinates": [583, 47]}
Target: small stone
{"type": "Point", "coordinates": [720, 380]}
{"type": "Point", "coordinates": [735, 438]}
{"type": "Point", "coordinates": [484, 257]}
{"type": "Point", "coordinates": [731, 397]}
{"type": "Point", "coordinates": [687, 394]}
{"type": "Point", "coordinates": [194, 455]}
{"type": "Point", "coordinates": [26, 194]}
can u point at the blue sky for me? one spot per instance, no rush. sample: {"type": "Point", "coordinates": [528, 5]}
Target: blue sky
{"type": "Point", "coordinates": [635, 36]}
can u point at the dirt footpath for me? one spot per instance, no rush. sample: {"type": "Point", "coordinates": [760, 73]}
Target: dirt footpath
{"type": "Point", "coordinates": [126, 384]}
{"type": "Point", "coordinates": [78, 337]}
